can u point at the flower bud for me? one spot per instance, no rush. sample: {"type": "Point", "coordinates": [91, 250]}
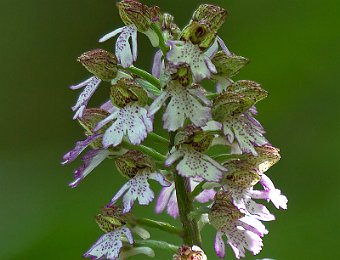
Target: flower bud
{"type": "Point", "coordinates": [170, 28]}
{"type": "Point", "coordinates": [237, 99]}
{"type": "Point", "coordinates": [91, 118]}
{"type": "Point", "coordinates": [212, 15]}
{"type": "Point", "coordinates": [195, 137]}
{"type": "Point", "coordinates": [228, 66]}
{"type": "Point", "coordinates": [267, 157]}
{"type": "Point", "coordinates": [100, 63]}
{"type": "Point", "coordinates": [133, 162]}
{"type": "Point", "coordinates": [241, 174]}
{"type": "Point", "coordinates": [223, 211]}
{"type": "Point", "coordinates": [199, 34]}
{"type": "Point", "coordinates": [228, 104]}
{"type": "Point", "coordinates": [112, 217]}
{"type": "Point", "coordinates": [126, 91]}
{"type": "Point", "coordinates": [250, 89]}
{"type": "Point", "coordinates": [134, 12]}
{"type": "Point", "coordinates": [190, 253]}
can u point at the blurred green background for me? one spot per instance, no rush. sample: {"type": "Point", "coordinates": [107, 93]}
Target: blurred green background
{"type": "Point", "coordinates": [294, 48]}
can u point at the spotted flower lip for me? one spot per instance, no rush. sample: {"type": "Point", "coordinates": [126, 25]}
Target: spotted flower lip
{"type": "Point", "coordinates": [90, 85]}
{"type": "Point", "coordinates": [184, 103]}
{"type": "Point", "coordinates": [110, 244]}
{"type": "Point", "coordinates": [138, 188]}
{"type": "Point", "coordinates": [246, 130]}
{"type": "Point", "coordinates": [188, 53]}
{"type": "Point", "coordinates": [195, 164]}
{"type": "Point", "coordinates": [126, 54]}
{"type": "Point", "coordinates": [131, 120]}
{"type": "Point", "coordinates": [242, 232]}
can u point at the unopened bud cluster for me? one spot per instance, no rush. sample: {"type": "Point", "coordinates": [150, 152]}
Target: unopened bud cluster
{"type": "Point", "coordinates": [217, 154]}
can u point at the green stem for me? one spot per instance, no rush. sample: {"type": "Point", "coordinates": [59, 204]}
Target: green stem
{"type": "Point", "coordinates": [191, 234]}
{"type": "Point", "coordinates": [147, 150]}
{"type": "Point", "coordinates": [145, 75]}
{"type": "Point", "coordinates": [159, 225]}
{"type": "Point", "coordinates": [157, 245]}
{"type": "Point", "coordinates": [164, 48]}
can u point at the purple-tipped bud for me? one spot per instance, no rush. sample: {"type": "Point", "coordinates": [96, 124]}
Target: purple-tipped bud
{"type": "Point", "coordinates": [134, 12]}
{"type": "Point", "coordinates": [212, 15]}
{"type": "Point", "coordinates": [100, 63]}
{"type": "Point", "coordinates": [133, 162]}
{"type": "Point", "coordinates": [228, 66]}
{"type": "Point", "coordinates": [126, 91]}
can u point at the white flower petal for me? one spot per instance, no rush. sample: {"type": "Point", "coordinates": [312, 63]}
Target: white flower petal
{"type": "Point", "coordinates": [137, 188]}
{"type": "Point", "coordinates": [188, 53]}
{"type": "Point", "coordinates": [124, 54]}
{"type": "Point", "coordinates": [195, 164]}
{"type": "Point", "coordinates": [131, 120]}
{"type": "Point", "coordinates": [90, 87]}
{"type": "Point", "coordinates": [109, 245]}
{"type": "Point", "coordinates": [111, 34]}
{"type": "Point", "coordinates": [183, 104]}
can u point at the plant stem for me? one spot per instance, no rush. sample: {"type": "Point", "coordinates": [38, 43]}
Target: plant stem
{"type": "Point", "coordinates": [145, 75]}
{"type": "Point", "coordinates": [159, 225]}
{"type": "Point", "coordinates": [164, 48]}
{"type": "Point", "coordinates": [157, 244]}
{"type": "Point", "coordinates": [191, 234]}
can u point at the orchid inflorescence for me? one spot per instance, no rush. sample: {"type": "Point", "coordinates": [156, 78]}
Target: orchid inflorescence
{"type": "Point", "coordinates": [217, 151]}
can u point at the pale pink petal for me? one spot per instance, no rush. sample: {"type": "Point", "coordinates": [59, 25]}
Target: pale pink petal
{"type": "Point", "coordinates": [157, 64]}
{"type": "Point", "coordinates": [219, 245]}
{"type": "Point", "coordinates": [80, 146]}
{"type": "Point", "coordinates": [91, 160]}
{"type": "Point", "coordinates": [163, 198]}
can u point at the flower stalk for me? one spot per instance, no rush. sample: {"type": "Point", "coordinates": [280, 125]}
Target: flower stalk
{"type": "Point", "coordinates": [160, 226]}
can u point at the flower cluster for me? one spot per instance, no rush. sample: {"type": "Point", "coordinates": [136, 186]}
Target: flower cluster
{"type": "Point", "coordinates": [217, 151]}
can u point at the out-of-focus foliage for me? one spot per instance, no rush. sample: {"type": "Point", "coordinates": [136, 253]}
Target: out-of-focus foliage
{"type": "Point", "coordinates": [294, 50]}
